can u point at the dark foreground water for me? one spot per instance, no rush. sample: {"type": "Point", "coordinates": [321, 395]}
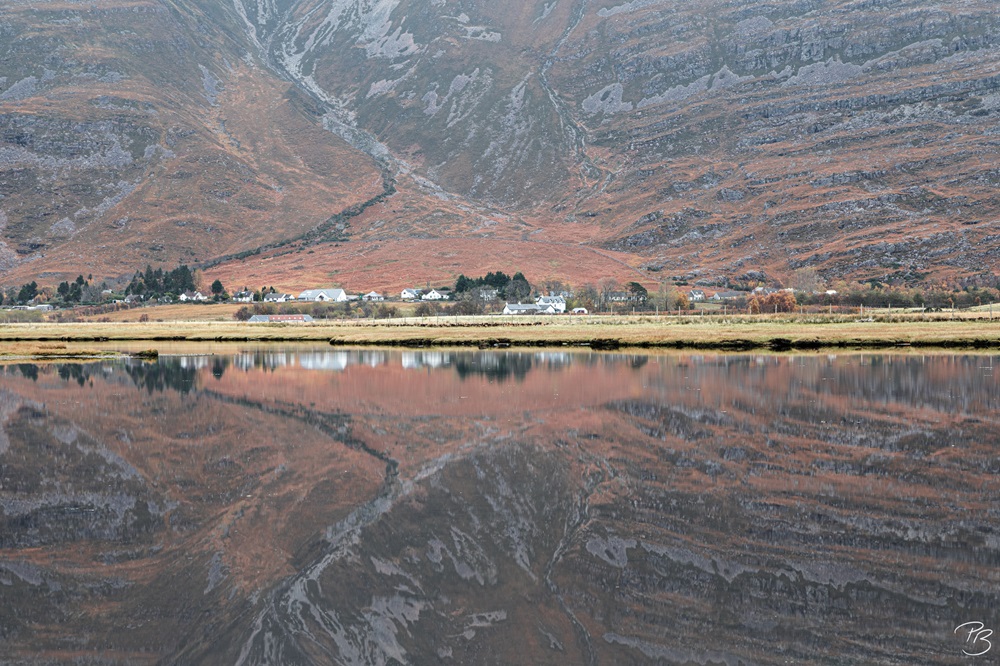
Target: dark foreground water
{"type": "Point", "coordinates": [316, 506]}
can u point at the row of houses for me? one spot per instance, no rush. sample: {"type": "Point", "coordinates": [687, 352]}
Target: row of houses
{"type": "Point", "coordinates": [542, 305]}
{"type": "Point", "coordinates": [340, 296]}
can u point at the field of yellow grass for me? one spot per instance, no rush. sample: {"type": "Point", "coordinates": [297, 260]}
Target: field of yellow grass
{"type": "Point", "coordinates": [778, 332]}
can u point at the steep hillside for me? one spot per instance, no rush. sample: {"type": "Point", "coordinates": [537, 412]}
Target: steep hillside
{"type": "Point", "coordinates": [135, 132]}
{"type": "Point", "coordinates": [698, 139]}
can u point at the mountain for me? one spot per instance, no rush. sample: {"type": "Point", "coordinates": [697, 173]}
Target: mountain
{"type": "Point", "coordinates": [389, 142]}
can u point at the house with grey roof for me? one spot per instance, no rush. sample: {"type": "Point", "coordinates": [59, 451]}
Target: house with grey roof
{"type": "Point", "coordinates": [323, 296]}
{"type": "Point", "coordinates": [527, 309]}
{"type": "Point", "coordinates": [558, 303]}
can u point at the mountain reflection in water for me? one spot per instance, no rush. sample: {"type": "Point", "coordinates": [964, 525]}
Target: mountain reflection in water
{"type": "Point", "coordinates": [344, 506]}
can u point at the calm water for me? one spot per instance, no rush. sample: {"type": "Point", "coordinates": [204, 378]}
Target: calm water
{"type": "Point", "coordinates": [317, 506]}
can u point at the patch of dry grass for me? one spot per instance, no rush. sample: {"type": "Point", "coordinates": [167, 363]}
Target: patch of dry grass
{"type": "Point", "coordinates": [776, 332]}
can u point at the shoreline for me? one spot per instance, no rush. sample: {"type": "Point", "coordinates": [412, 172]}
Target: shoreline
{"type": "Point", "coordinates": [731, 334]}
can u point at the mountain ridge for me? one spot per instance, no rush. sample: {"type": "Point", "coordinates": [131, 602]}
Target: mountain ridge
{"type": "Point", "coordinates": [699, 141]}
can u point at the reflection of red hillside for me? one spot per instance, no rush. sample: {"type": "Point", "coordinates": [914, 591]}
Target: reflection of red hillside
{"type": "Point", "coordinates": [647, 499]}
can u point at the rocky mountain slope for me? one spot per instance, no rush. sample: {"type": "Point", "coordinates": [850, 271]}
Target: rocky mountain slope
{"type": "Point", "coordinates": [674, 139]}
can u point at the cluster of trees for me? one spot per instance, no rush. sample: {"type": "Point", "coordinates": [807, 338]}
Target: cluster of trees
{"type": "Point", "coordinates": [157, 283]}
{"type": "Point", "coordinates": [77, 291]}
{"type": "Point", "coordinates": [515, 288]}
{"type": "Point", "coordinates": [779, 301]}
{"type": "Point", "coordinates": [72, 292]}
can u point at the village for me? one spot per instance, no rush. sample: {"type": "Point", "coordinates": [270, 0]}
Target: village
{"type": "Point", "coordinates": [493, 294]}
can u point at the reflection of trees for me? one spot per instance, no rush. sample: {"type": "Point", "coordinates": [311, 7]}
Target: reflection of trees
{"type": "Point", "coordinates": [29, 371]}
{"type": "Point", "coordinates": [74, 371]}
{"type": "Point", "coordinates": [162, 375]}
{"type": "Point", "coordinates": [494, 366]}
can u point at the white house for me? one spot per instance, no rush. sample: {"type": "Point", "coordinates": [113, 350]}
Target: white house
{"type": "Point", "coordinates": [373, 296]}
{"type": "Point", "coordinates": [527, 309]}
{"type": "Point", "coordinates": [433, 295]}
{"type": "Point", "coordinates": [696, 295]}
{"type": "Point", "coordinates": [243, 296]}
{"type": "Point", "coordinates": [558, 303]}
{"type": "Point", "coordinates": [488, 293]}
{"type": "Point", "coordinates": [323, 295]}
{"type": "Point", "coordinates": [190, 296]}
{"type": "Point", "coordinates": [729, 295]}
{"type": "Point", "coordinates": [410, 294]}
{"type": "Point", "coordinates": [278, 298]}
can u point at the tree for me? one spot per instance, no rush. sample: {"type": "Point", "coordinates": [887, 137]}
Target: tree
{"type": "Point", "coordinates": [638, 292]}
{"type": "Point", "coordinates": [518, 288]}
{"type": "Point", "coordinates": [463, 284]}
{"type": "Point", "coordinates": [243, 314]}
{"type": "Point", "coordinates": [28, 292]}
{"type": "Point", "coordinates": [607, 286]}
{"type": "Point", "coordinates": [586, 297]}
{"type": "Point", "coordinates": [217, 288]}
{"type": "Point", "coordinates": [467, 305]}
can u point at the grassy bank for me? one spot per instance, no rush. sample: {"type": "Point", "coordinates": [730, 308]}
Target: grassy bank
{"type": "Point", "coordinates": [778, 332]}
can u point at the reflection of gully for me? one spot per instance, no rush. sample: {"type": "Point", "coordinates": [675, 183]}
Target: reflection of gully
{"type": "Point", "coordinates": [978, 638]}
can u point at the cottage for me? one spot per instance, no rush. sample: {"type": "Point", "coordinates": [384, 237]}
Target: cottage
{"type": "Point", "coordinates": [243, 296]}
{"type": "Point", "coordinates": [278, 298]}
{"type": "Point", "coordinates": [323, 295]}
{"type": "Point", "coordinates": [373, 296]}
{"type": "Point", "coordinates": [488, 294]}
{"type": "Point", "coordinates": [433, 295]}
{"type": "Point", "coordinates": [410, 294]}
{"type": "Point", "coordinates": [729, 295]}
{"type": "Point", "coordinates": [190, 296]}
{"type": "Point", "coordinates": [558, 303]}
{"type": "Point", "coordinates": [527, 309]}
{"type": "Point", "coordinates": [696, 295]}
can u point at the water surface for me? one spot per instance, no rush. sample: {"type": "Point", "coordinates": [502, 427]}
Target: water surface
{"type": "Point", "coordinates": [313, 505]}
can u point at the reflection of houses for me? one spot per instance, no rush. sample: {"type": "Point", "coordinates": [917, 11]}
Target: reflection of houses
{"type": "Point", "coordinates": [410, 294]}
{"type": "Point", "coordinates": [433, 295]}
{"type": "Point", "coordinates": [189, 296]}
{"type": "Point", "coordinates": [335, 361]}
{"type": "Point", "coordinates": [558, 303]}
{"type": "Point", "coordinates": [696, 295]}
{"type": "Point", "coordinates": [193, 362]}
{"type": "Point", "coordinates": [323, 295]}
{"type": "Point", "coordinates": [429, 359]}
{"type": "Point", "coordinates": [279, 298]}
{"type": "Point", "coordinates": [282, 318]}
{"type": "Point", "coordinates": [373, 296]}
{"type": "Point", "coordinates": [527, 309]}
